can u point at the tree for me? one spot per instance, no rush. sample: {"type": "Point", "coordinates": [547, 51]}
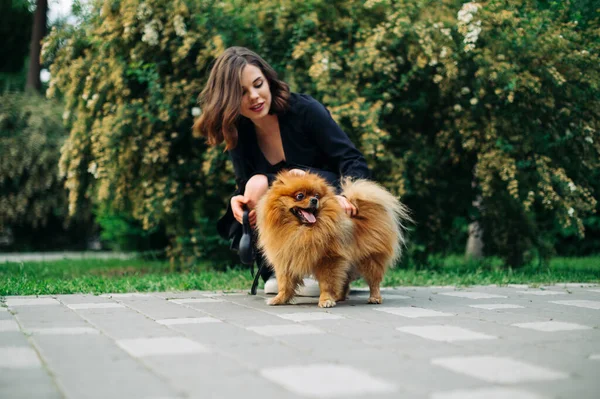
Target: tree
{"type": "Point", "coordinates": [37, 35]}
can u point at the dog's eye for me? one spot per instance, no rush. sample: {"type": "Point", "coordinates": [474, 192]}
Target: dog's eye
{"type": "Point", "coordinates": [299, 196]}
{"type": "Point", "coordinates": [317, 196]}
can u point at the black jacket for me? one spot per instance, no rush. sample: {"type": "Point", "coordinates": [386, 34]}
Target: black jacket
{"type": "Point", "coordinates": [311, 141]}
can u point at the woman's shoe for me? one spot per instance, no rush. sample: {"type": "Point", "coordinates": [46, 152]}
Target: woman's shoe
{"type": "Point", "coordinates": [309, 289]}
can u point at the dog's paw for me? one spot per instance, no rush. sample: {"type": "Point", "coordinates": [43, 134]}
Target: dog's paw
{"type": "Point", "coordinates": [277, 300]}
{"type": "Point", "coordinates": [375, 300]}
{"type": "Point", "coordinates": [327, 303]}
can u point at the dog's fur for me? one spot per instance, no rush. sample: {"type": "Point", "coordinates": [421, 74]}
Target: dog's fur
{"type": "Point", "coordinates": [332, 246]}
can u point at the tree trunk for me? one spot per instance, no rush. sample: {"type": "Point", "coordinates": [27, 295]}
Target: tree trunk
{"type": "Point", "coordinates": [35, 46]}
{"type": "Point", "coordinates": [474, 249]}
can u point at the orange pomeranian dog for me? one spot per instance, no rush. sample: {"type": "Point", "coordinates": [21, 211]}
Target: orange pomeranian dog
{"type": "Point", "coordinates": [303, 230]}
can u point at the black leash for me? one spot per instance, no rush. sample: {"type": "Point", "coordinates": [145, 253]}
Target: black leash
{"type": "Point", "coordinates": [246, 251]}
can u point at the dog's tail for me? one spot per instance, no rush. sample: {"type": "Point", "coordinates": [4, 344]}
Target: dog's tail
{"type": "Point", "coordinates": [361, 190]}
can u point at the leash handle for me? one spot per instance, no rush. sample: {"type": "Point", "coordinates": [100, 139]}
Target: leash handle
{"type": "Point", "coordinates": [245, 249]}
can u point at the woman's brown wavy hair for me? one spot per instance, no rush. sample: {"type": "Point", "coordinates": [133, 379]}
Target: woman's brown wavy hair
{"type": "Point", "coordinates": [221, 98]}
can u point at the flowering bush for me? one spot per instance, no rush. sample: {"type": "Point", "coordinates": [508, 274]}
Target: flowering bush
{"type": "Point", "coordinates": [449, 102]}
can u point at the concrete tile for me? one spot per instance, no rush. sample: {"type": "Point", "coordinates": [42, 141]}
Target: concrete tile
{"type": "Point", "coordinates": [550, 326]}
{"type": "Point", "coordinates": [63, 331]}
{"type": "Point", "coordinates": [8, 325]}
{"type": "Point", "coordinates": [86, 306]}
{"type": "Point", "coordinates": [542, 292]}
{"type": "Point", "coordinates": [310, 316]}
{"type": "Point", "coordinates": [445, 333]}
{"type": "Point", "coordinates": [286, 329]}
{"type": "Point", "coordinates": [496, 306]}
{"type": "Point", "coordinates": [472, 295]}
{"type": "Point", "coordinates": [194, 300]}
{"type": "Point", "coordinates": [580, 304]}
{"type": "Point", "coordinates": [188, 320]}
{"type": "Point", "coordinates": [93, 366]}
{"type": "Point", "coordinates": [161, 346]}
{"type": "Point", "coordinates": [487, 393]}
{"type": "Point", "coordinates": [14, 302]}
{"type": "Point", "coordinates": [501, 370]}
{"type": "Point", "coordinates": [412, 312]}
{"type": "Point", "coordinates": [27, 384]}
{"type": "Point", "coordinates": [21, 357]}
{"type": "Point", "coordinates": [327, 380]}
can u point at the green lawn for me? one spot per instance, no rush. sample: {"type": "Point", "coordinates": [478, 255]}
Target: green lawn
{"type": "Point", "coordinates": [103, 276]}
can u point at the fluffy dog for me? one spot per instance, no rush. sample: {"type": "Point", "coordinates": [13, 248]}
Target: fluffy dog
{"type": "Point", "coordinates": [303, 230]}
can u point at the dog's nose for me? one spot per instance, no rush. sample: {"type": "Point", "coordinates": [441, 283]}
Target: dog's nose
{"type": "Point", "coordinates": [314, 201]}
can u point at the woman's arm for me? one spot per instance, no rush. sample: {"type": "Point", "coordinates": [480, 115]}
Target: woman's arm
{"type": "Point", "coordinates": [342, 155]}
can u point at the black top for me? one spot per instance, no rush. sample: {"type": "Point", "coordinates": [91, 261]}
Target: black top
{"type": "Point", "coordinates": [311, 140]}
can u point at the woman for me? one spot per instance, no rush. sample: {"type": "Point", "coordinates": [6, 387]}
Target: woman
{"type": "Point", "coordinates": [267, 129]}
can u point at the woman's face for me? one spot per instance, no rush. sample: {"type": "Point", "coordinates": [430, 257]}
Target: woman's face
{"type": "Point", "coordinates": [256, 95]}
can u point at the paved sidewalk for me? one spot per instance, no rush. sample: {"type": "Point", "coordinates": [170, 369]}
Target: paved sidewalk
{"type": "Point", "coordinates": [438, 342]}
{"type": "Point", "coordinates": [53, 256]}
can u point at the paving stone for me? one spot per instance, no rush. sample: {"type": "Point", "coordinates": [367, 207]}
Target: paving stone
{"type": "Point", "coordinates": [15, 302]}
{"type": "Point", "coordinates": [489, 341]}
{"type": "Point", "coordinates": [140, 347]}
{"type": "Point", "coordinates": [188, 320]}
{"type": "Point", "coordinates": [8, 325]}
{"type": "Point", "coordinates": [497, 306]}
{"type": "Point", "coordinates": [286, 329]}
{"type": "Point", "coordinates": [501, 370]}
{"type": "Point", "coordinates": [123, 323]}
{"type": "Point", "coordinates": [27, 383]}
{"type": "Point", "coordinates": [542, 292]}
{"type": "Point", "coordinates": [159, 308]}
{"type": "Point", "coordinates": [487, 393]}
{"type": "Point", "coordinates": [18, 357]}
{"type": "Point", "coordinates": [63, 331]}
{"type": "Point", "coordinates": [445, 333]}
{"type": "Point", "coordinates": [327, 380]}
{"type": "Point", "coordinates": [580, 304]}
{"type": "Point", "coordinates": [412, 312]}
{"type": "Point", "coordinates": [550, 326]}
{"type": "Point", "coordinates": [472, 295]}
{"type": "Point", "coordinates": [310, 316]}
{"type": "Point", "coordinates": [93, 366]}
{"type": "Point", "coordinates": [87, 306]}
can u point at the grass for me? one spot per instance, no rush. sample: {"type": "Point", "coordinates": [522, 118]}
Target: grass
{"type": "Point", "coordinates": [104, 276]}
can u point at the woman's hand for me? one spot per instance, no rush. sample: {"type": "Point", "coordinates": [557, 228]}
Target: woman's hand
{"type": "Point", "coordinates": [297, 172]}
{"type": "Point", "coordinates": [237, 206]}
{"type": "Point", "coordinates": [347, 205]}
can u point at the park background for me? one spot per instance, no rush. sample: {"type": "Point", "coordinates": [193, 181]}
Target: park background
{"type": "Point", "coordinates": [483, 117]}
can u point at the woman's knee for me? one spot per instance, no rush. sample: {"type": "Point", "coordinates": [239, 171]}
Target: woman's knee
{"type": "Point", "coordinates": [256, 187]}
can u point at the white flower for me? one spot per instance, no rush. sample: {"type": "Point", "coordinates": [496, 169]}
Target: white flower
{"type": "Point", "coordinates": [144, 11]}
{"type": "Point", "coordinates": [465, 90]}
{"type": "Point", "coordinates": [571, 211]}
{"type": "Point", "coordinates": [93, 169]}
{"type": "Point", "coordinates": [44, 75]}
{"type": "Point", "coordinates": [474, 101]}
{"type": "Point", "coordinates": [84, 96]}
{"type": "Point", "coordinates": [437, 78]}
{"type": "Point", "coordinates": [151, 32]}
{"type": "Point", "coordinates": [572, 186]}
{"type": "Point", "coordinates": [457, 108]}
{"type": "Point", "coordinates": [66, 115]}
{"type": "Point", "coordinates": [179, 26]}
{"type": "Point", "coordinates": [444, 52]}
{"type": "Point", "coordinates": [589, 139]}
{"type": "Point", "coordinates": [196, 111]}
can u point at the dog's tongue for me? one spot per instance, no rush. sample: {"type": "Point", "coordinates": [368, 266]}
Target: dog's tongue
{"type": "Point", "coordinates": [310, 218]}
